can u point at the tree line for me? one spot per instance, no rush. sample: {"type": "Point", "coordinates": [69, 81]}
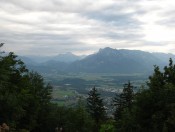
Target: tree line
{"type": "Point", "coordinates": [26, 106]}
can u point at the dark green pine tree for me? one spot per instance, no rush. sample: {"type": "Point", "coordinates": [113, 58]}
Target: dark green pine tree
{"type": "Point", "coordinates": [95, 106]}
{"type": "Point", "coordinates": [118, 104]}
{"type": "Point", "coordinates": [127, 95]}
{"type": "Point", "coordinates": [155, 106]}
{"type": "Point", "coordinates": [23, 94]}
{"type": "Point", "coordinates": [124, 100]}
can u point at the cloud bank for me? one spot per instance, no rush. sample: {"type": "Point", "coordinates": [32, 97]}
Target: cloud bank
{"type": "Point", "coordinates": [42, 27]}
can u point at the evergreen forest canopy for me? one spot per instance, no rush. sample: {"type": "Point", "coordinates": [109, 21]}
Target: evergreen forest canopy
{"type": "Point", "coordinates": [26, 106]}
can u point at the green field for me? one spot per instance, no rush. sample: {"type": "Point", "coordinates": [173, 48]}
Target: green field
{"type": "Point", "coordinates": [59, 93]}
{"type": "Point", "coordinates": [100, 80]}
{"type": "Point", "coordinates": [68, 87]}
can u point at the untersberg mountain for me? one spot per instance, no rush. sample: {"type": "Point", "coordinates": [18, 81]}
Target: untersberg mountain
{"type": "Point", "coordinates": [106, 60]}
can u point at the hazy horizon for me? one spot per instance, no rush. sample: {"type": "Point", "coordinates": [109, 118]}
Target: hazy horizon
{"type": "Point", "coordinates": [86, 54]}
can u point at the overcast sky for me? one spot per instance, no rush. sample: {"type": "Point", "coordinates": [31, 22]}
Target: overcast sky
{"type": "Point", "coordinates": [50, 27]}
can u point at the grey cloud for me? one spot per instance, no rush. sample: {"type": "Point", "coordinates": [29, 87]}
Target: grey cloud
{"type": "Point", "coordinates": [124, 36]}
{"type": "Point", "coordinates": [116, 16]}
{"type": "Point", "coordinates": [56, 26]}
{"type": "Point", "coordinates": [44, 5]}
{"type": "Point", "coordinates": [119, 20]}
{"type": "Point", "coordinates": [168, 19]}
{"type": "Point", "coordinates": [151, 43]}
{"type": "Point", "coordinates": [46, 23]}
{"type": "Point", "coordinates": [37, 38]}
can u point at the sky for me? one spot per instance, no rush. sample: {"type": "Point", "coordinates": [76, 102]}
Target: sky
{"type": "Point", "coordinates": [51, 27]}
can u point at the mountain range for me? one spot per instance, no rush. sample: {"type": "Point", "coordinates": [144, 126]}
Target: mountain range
{"type": "Point", "coordinates": [67, 57]}
{"type": "Point", "coordinates": [106, 60]}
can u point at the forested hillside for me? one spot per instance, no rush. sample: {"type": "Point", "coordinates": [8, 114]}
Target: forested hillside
{"type": "Point", "coordinates": [26, 105]}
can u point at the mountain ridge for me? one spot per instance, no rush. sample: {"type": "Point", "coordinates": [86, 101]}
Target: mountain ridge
{"type": "Point", "coordinates": [108, 60]}
{"type": "Point", "coordinates": [66, 57]}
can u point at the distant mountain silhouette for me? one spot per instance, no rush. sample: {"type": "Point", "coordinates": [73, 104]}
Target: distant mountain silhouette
{"type": "Point", "coordinates": [109, 60]}
{"type": "Point", "coordinates": [50, 67]}
{"type": "Point", "coordinates": [67, 57]}
{"type": "Point", "coordinates": [27, 60]}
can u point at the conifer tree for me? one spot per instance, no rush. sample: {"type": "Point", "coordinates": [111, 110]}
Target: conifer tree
{"type": "Point", "coordinates": [124, 100]}
{"type": "Point", "coordinates": [154, 108]}
{"type": "Point", "coordinates": [95, 106]}
{"type": "Point", "coordinates": [127, 95]}
{"type": "Point", "coordinates": [23, 94]}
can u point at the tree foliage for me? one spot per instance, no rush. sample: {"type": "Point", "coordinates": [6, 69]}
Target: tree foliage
{"type": "Point", "coordinates": [154, 108]}
{"type": "Point", "coordinates": [123, 101]}
{"type": "Point", "coordinates": [155, 105]}
{"type": "Point", "coordinates": [25, 101]}
{"type": "Point", "coordinates": [22, 93]}
{"type": "Point", "coordinates": [96, 107]}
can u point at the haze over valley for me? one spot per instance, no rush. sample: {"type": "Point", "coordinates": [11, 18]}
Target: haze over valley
{"type": "Point", "coordinates": [108, 69]}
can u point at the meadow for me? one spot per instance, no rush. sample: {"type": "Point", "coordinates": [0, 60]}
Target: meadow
{"type": "Point", "coordinates": [69, 87]}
